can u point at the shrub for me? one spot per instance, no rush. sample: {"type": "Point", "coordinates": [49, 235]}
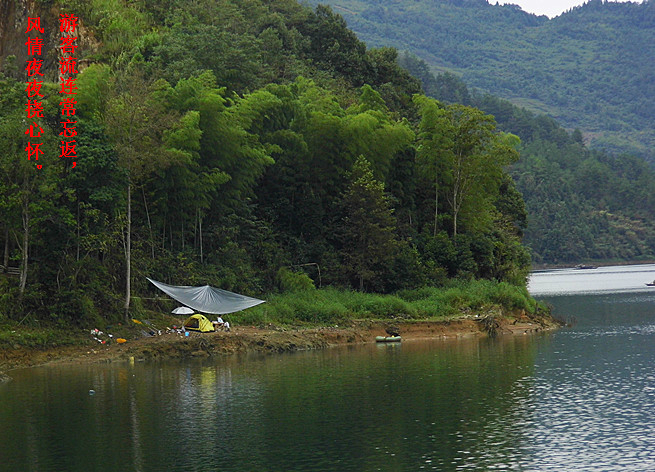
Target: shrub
{"type": "Point", "coordinates": [290, 281]}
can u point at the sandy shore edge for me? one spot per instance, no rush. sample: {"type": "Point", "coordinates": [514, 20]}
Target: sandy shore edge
{"type": "Point", "coordinates": [243, 339]}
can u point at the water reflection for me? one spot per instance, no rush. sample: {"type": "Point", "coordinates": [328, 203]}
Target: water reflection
{"type": "Point", "coordinates": [594, 392]}
{"type": "Point", "coordinates": [424, 405]}
{"type": "Point", "coordinates": [579, 399]}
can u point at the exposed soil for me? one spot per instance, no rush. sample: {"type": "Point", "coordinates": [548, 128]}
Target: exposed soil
{"type": "Point", "coordinates": [270, 339]}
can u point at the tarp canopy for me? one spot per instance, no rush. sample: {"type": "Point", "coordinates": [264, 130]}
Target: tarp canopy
{"type": "Point", "coordinates": [207, 299]}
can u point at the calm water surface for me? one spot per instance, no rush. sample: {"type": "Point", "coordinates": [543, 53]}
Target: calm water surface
{"type": "Point", "coordinates": [578, 399]}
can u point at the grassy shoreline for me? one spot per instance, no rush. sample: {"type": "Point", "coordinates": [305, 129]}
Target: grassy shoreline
{"type": "Point", "coordinates": [267, 340]}
{"type": "Point", "coordinates": [315, 318]}
{"type": "Point", "coordinates": [328, 306]}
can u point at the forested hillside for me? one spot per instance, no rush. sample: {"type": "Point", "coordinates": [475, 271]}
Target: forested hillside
{"type": "Point", "coordinates": [582, 204]}
{"type": "Point", "coordinates": [257, 146]}
{"type": "Point", "coordinates": [586, 68]}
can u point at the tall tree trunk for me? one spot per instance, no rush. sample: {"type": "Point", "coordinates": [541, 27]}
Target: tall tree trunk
{"type": "Point", "coordinates": [128, 253]}
{"type": "Point", "coordinates": [455, 211]}
{"type": "Point", "coordinates": [163, 235]}
{"type": "Point", "coordinates": [459, 186]}
{"type": "Point", "coordinates": [152, 238]}
{"type": "Point", "coordinates": [77, 252]}
{"type": "Point", "coordinates": [200, 230]}
{"type": "Point", "coordinates": [436, 203]}
{"type": "Point", "coordinates": [25, 248]}
{"type": "Point", "coordinates": [195, 230]}
{"type": "Point", "coordinates": [5, 259]}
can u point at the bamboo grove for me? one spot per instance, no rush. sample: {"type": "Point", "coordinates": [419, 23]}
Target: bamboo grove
{"type": "Point", "coordinates": [257, 146]}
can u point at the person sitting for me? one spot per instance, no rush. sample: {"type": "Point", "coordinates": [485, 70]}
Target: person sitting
{"type": "Point", "coordinates": [219, 323]}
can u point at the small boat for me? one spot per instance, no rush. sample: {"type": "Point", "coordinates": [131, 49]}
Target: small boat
{"type": "Point", "coordinates": [584, 266]}
{"type": "Point", "coordinates": [651, 284]}
{"type": "Point", "coordinates": [387, 339]}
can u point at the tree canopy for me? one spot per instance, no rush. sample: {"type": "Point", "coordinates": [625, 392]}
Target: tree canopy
{"type": "Point", "coordinates": [234, 143]}
{"type": "Point", "coordinates": [582, 204]}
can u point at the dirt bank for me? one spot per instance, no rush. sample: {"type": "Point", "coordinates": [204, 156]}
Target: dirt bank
{"type": "Point", "coordinates": [269, 339]}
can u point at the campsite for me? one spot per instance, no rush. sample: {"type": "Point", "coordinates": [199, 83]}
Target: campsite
{"type": "Point", "coordinates": [211, 211]}
{"type": "Point", "coordinates": [263, 339]}
{"type": "Point", "coordinates": [300, 320]}
{"type": "Point", "coordinates": [207, 300]}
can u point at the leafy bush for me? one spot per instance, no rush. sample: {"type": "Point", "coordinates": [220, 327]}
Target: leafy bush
{"type": "Point", "coordinates": [290, 281]}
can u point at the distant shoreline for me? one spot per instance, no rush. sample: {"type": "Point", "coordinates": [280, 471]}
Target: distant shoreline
{"type": "Point", "coordinates": [596, 263]}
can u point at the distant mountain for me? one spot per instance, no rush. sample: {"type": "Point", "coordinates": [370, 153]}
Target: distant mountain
{"type": "Point", "coordinates": [590, 68]}
{"type": "Point", "coordinates": [582, 204]}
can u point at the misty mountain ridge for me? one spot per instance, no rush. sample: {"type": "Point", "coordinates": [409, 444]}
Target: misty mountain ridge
{"type": "Point", "coordinates": [586, 68]}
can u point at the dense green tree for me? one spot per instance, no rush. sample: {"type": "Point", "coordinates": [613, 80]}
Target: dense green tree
{"type": "Point", "coordinates": [25, 174]}
{"type": "Point", "coordinates": [136, 124]}
{"type": "Point", "coordinates": [434, 145]}
{"type": "Point", "coordinates": [569, 190]}
{"type": "Point", "coordinates": [221, 142]}
{"type": "Point", "coordinates": [367, 232]}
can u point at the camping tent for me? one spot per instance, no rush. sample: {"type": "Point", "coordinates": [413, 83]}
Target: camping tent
{"type": "Point", "coordinates": [208, 299]}
{"type": "Point", "coordinates": [200, 323]}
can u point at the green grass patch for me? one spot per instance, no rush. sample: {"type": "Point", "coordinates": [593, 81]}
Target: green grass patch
{"type": "Point", "coordinates": [332, 306]}
{"type": "Point", "coordinates": [325, 307]}
{"type": "Point", "coordinates": [13, 336]}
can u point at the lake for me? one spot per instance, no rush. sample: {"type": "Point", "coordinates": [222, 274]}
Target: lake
{"type": "Point", "coordinates": [581, 398]}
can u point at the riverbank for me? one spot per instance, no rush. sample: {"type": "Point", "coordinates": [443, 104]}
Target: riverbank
{"type": "Point", "coordinates": [268, 339]}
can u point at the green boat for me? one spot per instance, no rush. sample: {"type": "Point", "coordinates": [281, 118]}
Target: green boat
{"type": "Point", "coordinates": [387, 339]}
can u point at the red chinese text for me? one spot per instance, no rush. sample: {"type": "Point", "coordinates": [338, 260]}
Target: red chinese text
{"type": "Point", "coordinates": [67, 71]}
{"type": "Point", "coordinates": [33, 89]}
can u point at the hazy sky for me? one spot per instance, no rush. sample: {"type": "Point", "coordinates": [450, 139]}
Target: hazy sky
{"type": "Point", "coordinates": [549, 8]}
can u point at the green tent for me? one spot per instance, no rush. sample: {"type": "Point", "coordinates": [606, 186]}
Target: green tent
{"type": "Point", "coordinates": [200, 323]}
